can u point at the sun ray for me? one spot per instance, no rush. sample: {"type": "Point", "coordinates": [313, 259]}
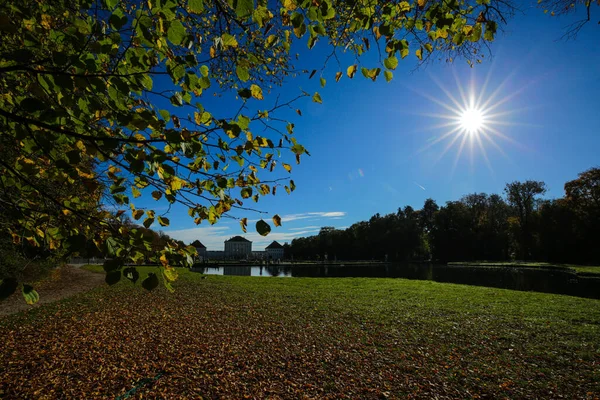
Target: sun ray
{"type": "Point", "coordinates": [435, 115]}
{"type": "Point", "coordinates": [499, 89]}
{"type": "Point", "coordinates": [471, 118]}
{"type": "Point", "coordinates": [436, 141]}
{"type": "Point", "coordinates": [437, 126]}
{"type": "Point", "coordinates": [448, 147]}
{"type": "Point", "coordinates": [447, 93]}
{"type": "Point", "coordinates": [496, 132]}
{"type": "Point", "coordinates": [497, 147]}
{"type": "Point", "coordinates": [460, 88]}
{"type": "Point", "coordinates": [484, 153]}
{"type": "Point", "coordinates": [458, 154]}
{"type": "Point", "coordinates": [484, 86]}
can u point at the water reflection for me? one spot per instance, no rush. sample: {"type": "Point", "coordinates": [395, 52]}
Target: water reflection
{"type": "Point", "coordinates": [554, 280]}
{"type": "Point", "coordinates": [277, 271]}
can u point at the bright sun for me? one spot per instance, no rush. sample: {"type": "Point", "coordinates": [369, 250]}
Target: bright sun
{"type": "Point", "coordinates": [472, 120]}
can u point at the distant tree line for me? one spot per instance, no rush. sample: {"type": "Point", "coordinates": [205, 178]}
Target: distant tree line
{"type": "Point", "coordinates": [520, 225]}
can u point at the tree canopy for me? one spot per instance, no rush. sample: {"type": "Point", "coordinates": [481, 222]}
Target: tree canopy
{"type": "Point", "coordinates": [84, 84]}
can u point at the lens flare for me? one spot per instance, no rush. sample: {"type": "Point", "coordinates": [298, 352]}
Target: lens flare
{"type": "Point", "coordinates": [472, 119]}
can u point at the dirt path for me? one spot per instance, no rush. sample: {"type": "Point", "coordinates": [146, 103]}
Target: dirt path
{"type": "Point", "coordinates": [63, 282]}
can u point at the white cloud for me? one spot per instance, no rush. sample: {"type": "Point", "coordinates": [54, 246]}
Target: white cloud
{"type": "Point", "coordinates": [311, 227]}
{"type": "Point", "coordinates": [313, 215]}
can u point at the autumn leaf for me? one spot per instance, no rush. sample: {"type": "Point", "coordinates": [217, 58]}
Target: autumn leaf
{"type": "Point", "coordinates": [256, 92]}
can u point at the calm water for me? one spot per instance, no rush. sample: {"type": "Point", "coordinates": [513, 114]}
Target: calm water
{"type": "Point", "coordinates": [278, 271]}
{"type": "Point", "coordinates": [562, 281]}
{"type": "Point", "coordinates": [322, 271]}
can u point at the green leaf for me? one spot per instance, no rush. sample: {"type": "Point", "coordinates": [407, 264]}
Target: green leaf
{"type": "Point", "coordinates": [204, 71]}
{"type": "Point", "coordinates": [246, 192]}
{"type": "Point", "coordinates": [111, 4]}
{"type": "Point", "coordinates": [176, 33]}
{"type": "Point", "coordinates": [245, 93]}
{"type": "Point", "coordinates": [165, 115]}
{"type": "Point", "coordinates": [32, 104]}
{"type": "Point", "coordinates": [242, 73]}
{"type": "Point", "coordinates": [323, 82]}
{"type": "Point", "coordinates": [112, 265]}
{"type": "Point", "coordinates": [388, 75]}
{"type": "Point", "coordinates": [476, 33]}
{"type": "Point", "coordinates": [196, 6]}
{"type": "Point", "coordinates": [132, 274]}
{"type": "Point", "coordinates": [317, 98]}
{"type": "Point", "coordinates": [229, 40]}
{"type": "Point", "coordinates": [111, 247]}
{"type": "Point", "coordinates": [263, 228]}
{"type": "Point", "coordinates": [391, 62]}
{"type": "Point", "coordinates": [244, 8]}
{"type": "Point", "coordinates": [30, 295]}
{"type": "Point", "coordinates": [261, 15]}
{"type": "Point", "coordinates": [151, 282]}
{"type": "Point", "coordinates": [112, 277]}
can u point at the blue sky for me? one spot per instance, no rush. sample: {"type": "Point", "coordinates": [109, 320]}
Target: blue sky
{"type": "Point", "coordinates": [368, 140]}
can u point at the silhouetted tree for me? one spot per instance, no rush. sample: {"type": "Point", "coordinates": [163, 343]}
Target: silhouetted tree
{"type": "Point", "coordinates": [522, 197]}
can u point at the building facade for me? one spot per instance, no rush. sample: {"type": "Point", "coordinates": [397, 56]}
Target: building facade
{"type": "Point", "coordinates": [200, 248]}
{"type": "Point", "coordinates": [238, 247]}
{"type": "Point", "coordinates": [274, 251]}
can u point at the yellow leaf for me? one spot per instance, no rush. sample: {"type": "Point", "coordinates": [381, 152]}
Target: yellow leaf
{"type": "Point", "coordinates": [287, 167]}
{"type": "Point", "coordinates": [290, 4]}
{"type": "Point", "coordinates": [177, 183]}
{"type": "Point", "coordinates": [170, 274]}
{"type": "Point", "coordinates": [256, 92]}
{"type": "Point", "coordinates": [163, 260]}
{"type": "Point", "coordinates": [46, 20]}
{"type": "Point", "coordinates": [276, 220]}
{"type": "Point", "coordinates": [243, 224]}
{"type": "Point", "coordinates": [67, 212]}
{"type": "Point", "coordinates": [351, 71]}
{"type": "Point", "coordinates": [419, 54]}
{"type": "Point", "coordinates": [137, 214]}
{"type": "Point", "coordinates": [376, 32]}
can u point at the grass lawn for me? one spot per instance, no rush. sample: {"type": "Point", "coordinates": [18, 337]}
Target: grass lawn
{"type": "Point", "coordinates": [231, 337]}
